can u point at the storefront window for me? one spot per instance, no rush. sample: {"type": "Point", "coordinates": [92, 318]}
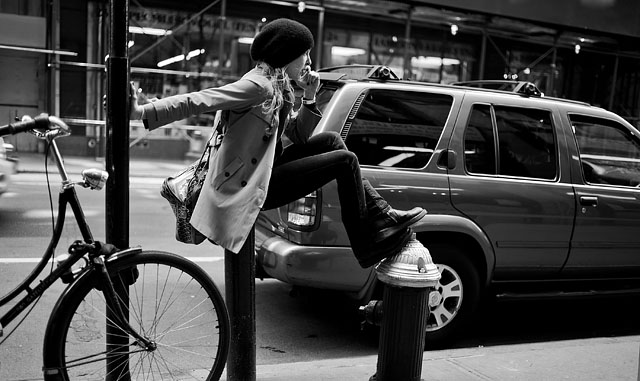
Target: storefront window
{"type": "Point", "coordinates": [346, 47]}
{"type": "Point", "coordinates": [183, 52]}
{"type": "Point", "coordinates": [174, 52]}
{"type": "Point", "coordinates": [23, 7]}
{"type": "Point", "coordinates": [430, 60]}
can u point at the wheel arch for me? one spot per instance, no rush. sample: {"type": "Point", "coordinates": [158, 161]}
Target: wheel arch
{"type": "Point", "coordinates": [462, 233]}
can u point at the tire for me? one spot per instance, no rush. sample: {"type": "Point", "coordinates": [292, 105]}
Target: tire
{"type": "Point", "coordinates": [455, 298]}
{"type": "Point", "coordinates": [172, 302]}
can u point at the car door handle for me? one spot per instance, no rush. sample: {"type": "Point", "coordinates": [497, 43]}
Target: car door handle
{"type": "Point", "coordinates": [589, 200]}
{"type": "Point", "coordinates": [447, 159]}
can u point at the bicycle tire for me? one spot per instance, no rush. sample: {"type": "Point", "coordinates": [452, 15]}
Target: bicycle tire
{"type": "Point", "coordinates": [172, 301]}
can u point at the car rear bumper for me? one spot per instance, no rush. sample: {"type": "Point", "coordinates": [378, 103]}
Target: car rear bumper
{"type": "Point", "coordinates": [310, 266]}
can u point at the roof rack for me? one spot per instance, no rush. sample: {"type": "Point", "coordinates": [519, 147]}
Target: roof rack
{"type": "Point", "coordinates": [359, 72]}
{"type": "Point", "coordinates": [521, 87]}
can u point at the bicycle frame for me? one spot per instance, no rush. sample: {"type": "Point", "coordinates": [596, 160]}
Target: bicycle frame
{"type": "Point", "coordinates": [107, 276]}
{"type": "Point", "coordinates": [67, 196]}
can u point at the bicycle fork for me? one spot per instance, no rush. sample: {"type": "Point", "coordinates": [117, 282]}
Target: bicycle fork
{"type": "Point", "coordinates": [118, 326]}
{"type": "Point", "coordinates": [112, 298]}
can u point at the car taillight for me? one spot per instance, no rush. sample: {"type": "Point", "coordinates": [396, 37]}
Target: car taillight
{"type": "Point", "coordinates": [304, 211]}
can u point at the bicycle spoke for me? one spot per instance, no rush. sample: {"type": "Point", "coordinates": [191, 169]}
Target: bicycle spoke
{"type": "Point", "coordinates": [168, 305]}
{"type": "Point", "coordinates": [181, 348]}
{"type": "Point", "coordinates": [182, 317]}
{"type": "Point", "coordinates": [74, 363]}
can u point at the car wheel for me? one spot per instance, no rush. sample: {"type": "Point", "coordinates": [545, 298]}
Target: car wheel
{"type": "Point", "coordinates": [455, 298]}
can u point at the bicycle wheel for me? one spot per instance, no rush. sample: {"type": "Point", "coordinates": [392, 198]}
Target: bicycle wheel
{"type": "Point", "coordinates": [172, 302]}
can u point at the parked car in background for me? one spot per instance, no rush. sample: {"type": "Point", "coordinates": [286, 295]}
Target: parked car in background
{"type": "Point", "coordinates": [527, 195]}
{"type": "Point", "coordinates": [6, 167]}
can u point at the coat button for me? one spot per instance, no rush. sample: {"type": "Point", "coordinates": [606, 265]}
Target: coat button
{"type": "Point", "coordinates": [227, 174]}
{"type": "Point", "coordinates": [265, 138]}
{"type": "Point", "coordinates": [254, 160]}
{"type": "Point", "coordinates": [243, 183]}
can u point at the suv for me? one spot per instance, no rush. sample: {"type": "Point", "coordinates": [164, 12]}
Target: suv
{"type": "Point", "coordinates": [527, 195]}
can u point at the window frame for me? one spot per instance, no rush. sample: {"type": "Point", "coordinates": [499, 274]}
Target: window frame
{"type": "Point", "coordinates": [496, 141]}
{"type": "Point", "coordinates": [634, 134]}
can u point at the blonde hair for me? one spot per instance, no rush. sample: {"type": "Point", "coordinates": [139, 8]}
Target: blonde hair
{"type": "Point", "coordinates": [280, 82]}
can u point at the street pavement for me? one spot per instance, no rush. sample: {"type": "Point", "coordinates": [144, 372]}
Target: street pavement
{"type": "Point", "coordinates": [34, 163]}
{"type": "Point", "coordinates": [600, 358]}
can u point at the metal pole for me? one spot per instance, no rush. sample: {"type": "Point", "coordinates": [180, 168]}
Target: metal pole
{"type": "Point", "coordinates": [240, 291]}
{"type": "Point", "coordinates": [443, 50]}
{"type": "Point", "coordinates": [407, 45]}
{"type": "Point", "coordinates": [552, 77]}
{"type": "Point", "coordinates": [320, 42]}
{"type": "Point", "coordinates": [614, 80]}
{"type": "Point", "coordinates": [53, 96]}
{"type": "Point", "coordinates": [483, 55]}
{"type": "Point", "coordinates": [223, 22]}
{"type": "Point", "coordinates": [117, 163]}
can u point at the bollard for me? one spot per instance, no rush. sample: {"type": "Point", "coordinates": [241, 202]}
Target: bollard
{"type": "Point", "coordinates": [240, 292]}
{"type": "Point", "coordinates": [408, 278]}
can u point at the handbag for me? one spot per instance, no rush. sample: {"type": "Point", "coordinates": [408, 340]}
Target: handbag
{"type": "Point", "coordinates": [183, 189]}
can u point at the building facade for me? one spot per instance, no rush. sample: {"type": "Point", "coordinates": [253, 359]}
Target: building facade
{"type": "Point", "coordinates": [52, 53]}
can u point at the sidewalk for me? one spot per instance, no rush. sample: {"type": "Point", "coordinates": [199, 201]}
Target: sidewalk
{"type": "Point", "coordinates": [582, 360]}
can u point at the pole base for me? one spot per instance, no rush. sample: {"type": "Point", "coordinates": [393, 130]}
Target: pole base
{"type": "Point", "coordinates": [375, 376]}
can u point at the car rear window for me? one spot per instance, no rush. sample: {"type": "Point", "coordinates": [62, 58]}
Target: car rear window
{"type": "Point", "coordinates": [399, 129]}
{"type": "Point", "coordinates": [323, 97]}
{"type": "Point", "coordinates": [609, 151]}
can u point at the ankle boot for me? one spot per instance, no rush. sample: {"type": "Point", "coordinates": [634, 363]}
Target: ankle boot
{"type": "Point", "coordinates": [388, 247]}
{"type": "Point", "coordinates": [393, 221]}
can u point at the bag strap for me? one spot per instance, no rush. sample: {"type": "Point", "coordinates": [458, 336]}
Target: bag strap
{"type": "Point", "coordinates": [221, 127]}
{"type": "Point", "coordinates": [216, 136]}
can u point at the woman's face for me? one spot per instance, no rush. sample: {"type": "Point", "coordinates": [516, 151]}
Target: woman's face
{"type": "Point", "coordinates": [295, 69]}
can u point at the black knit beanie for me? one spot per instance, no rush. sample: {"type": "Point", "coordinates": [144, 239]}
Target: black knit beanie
{"type": "Point", "coordinates": [280, 42]}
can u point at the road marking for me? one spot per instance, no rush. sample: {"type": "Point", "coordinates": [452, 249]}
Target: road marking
{"type": "Point", "coordinates": [20, 260]}
{"type": "Point", "coordinates": [36, 260]}
{"type": "Point", "coordinates": [46, 213]}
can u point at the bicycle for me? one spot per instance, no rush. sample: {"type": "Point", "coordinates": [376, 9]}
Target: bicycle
{"type": "Point", "coordinates": [126, 314]}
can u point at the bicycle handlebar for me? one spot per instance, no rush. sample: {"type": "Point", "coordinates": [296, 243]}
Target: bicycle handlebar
{"type": "Point", "coordinates": [42, 121]}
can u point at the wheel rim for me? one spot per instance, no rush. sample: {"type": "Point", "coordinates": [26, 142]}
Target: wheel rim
{"type": "Point", "coordinates": [445, 300]}
{"type": "Point", "coordinates": [186, 343]}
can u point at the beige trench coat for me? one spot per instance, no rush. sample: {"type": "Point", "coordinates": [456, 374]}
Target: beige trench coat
{"type": "Point", "coordinates": [240, 169]}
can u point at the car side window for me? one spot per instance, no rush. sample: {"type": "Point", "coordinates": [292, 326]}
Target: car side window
{"type": "Point", "coordinates": [398, 129]}
{"type": "Point", "coordinates": [609, 151]}
{"type": "Point", "coordinates": [479, 142]}
{"type": "Point", "coordinates": [525, 142]}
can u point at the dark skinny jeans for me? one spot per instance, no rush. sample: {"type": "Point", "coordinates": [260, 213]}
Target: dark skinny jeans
{"type": "Point", "coordinates": [304, 168]}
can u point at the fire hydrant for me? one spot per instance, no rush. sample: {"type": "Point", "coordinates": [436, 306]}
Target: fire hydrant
{"type": "Point", "coordinates": [409, 277]}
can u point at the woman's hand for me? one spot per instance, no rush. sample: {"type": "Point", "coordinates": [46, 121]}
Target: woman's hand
{"type": "Point", "coordinates": [136, 100]}
{"type": "Point", "coordinates": [135, 112]}
{"type": "Point", "coordinates": [309, 82]}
